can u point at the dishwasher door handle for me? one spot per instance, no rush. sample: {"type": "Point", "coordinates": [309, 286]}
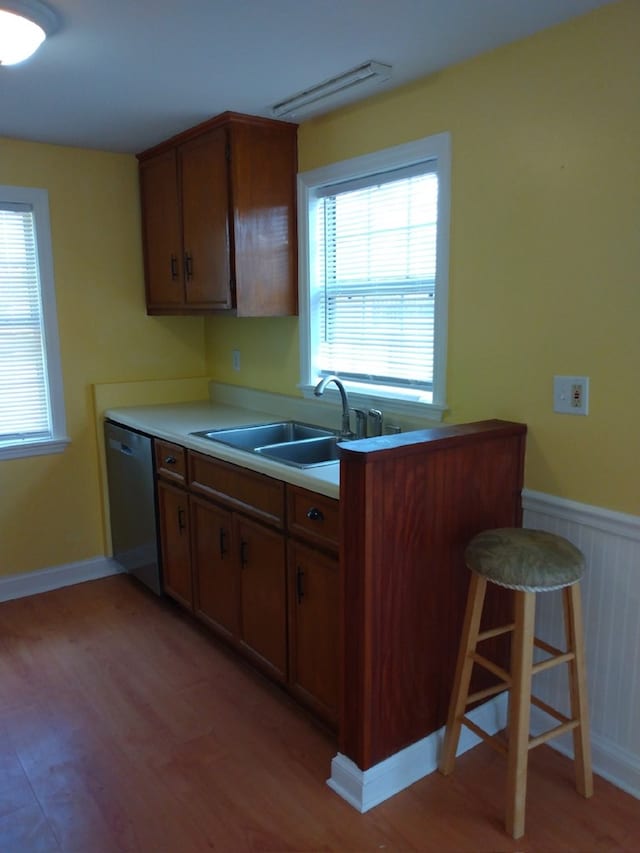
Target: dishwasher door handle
{"type": "Point", "coordinates": [120, 446]}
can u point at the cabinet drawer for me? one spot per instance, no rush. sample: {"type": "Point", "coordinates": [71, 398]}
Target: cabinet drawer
{"type": "Point", "coordinates": [252, 493]}
{"type": "Point", "coordinates": [171, 461]}
{"type": "Point", "coordinates": [313, 517]}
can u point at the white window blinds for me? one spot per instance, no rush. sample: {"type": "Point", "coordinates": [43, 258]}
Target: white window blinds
{"type": "Point", "coordinates": [376, 276]}
{"type": "Point", "coordinates": [24, 398]}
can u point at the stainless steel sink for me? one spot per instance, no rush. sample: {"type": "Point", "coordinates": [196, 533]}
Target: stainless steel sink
{"type": "Point", "coordinates": [290, 442]}
{"type": "Point", "coordinates": [308, 453]}
{"type": "Point", "coordinates": [250, 437]}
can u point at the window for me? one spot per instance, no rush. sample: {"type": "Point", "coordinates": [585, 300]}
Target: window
{"type": "Point", "coordinates": [31, 402]}
{"type": "Point", "coordinates": [374, 258]}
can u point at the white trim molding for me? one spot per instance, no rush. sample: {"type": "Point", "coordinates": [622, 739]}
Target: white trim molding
{"type": "Point", "coordinates": [44, 580]}
{"type": "Point", "coordinates": [435, 149]}
{"type": "Point", "coordinates": [364, 789]}
{"type": "Point", "coordinates": [610, 542]}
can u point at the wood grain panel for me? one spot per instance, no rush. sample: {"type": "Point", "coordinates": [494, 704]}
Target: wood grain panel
{"type": "Point", "coordinates": [239, 488]}
{"type": "Point", "coordinates": [413, 505]}
{"type": "Point", "coordinates": [313, 517]}
{"type": "Point", "coordinates": [127, 727]}
{"type": "Point", "coordinates": [263, 180]}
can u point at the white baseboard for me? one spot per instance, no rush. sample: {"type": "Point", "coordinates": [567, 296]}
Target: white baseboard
{"type": "Point", "coordinates": [364, 789]}
{"type": "Point", "coordinates": [44, 580]}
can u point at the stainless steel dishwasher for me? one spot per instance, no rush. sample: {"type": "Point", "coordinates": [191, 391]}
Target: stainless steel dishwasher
{"type": "Point", "coordinates": [132, 503]}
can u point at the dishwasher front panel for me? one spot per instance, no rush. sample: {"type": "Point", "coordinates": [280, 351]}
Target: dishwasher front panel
{"type": "Point", "coordinates": [132, 503]}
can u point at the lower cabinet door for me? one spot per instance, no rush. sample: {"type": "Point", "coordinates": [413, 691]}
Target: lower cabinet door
{"type": "Point", "coordinates": [173, 512]}
{"type": "Point", "coordinates": [215, 568]}
{"type": "Point", "coordinates": [261, 552]}
{"type": "Point", "coordinates": [314, 630]}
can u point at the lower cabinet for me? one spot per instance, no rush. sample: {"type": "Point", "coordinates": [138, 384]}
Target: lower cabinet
{"type": "Point", "coordinates": [215, 568]}
{"type": "Point", "coordinates": [239, 571]}
{"type": "Point", "coordinates": [314, 629]}
{"type": "Point", "coordinates": [263, 587]}
{"type": "Point", "coordinates": [268, 588]}
{"type": "Point", "coordinates": [173, 519]}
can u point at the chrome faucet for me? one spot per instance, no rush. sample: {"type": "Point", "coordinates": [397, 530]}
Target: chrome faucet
{"type": "Point", "coordinates": [345, 432]}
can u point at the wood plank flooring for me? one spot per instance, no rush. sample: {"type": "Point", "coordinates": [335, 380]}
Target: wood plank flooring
{"type": "Point", "coordinates": [125, 727]}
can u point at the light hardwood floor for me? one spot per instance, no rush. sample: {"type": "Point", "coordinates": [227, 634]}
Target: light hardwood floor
{"type": "Point", "coordinates": [125, 727]}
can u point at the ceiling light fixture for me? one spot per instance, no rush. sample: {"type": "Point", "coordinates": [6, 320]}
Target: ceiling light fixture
{"type": "Point", "coordinates": [369, 72]}
{"type": "Point", "coordinates": [24, 25]}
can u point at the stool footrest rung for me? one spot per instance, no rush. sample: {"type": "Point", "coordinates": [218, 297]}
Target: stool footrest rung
{"type": "Point", "coordinates": [552, 712]}
{"type": "Point", "coordinates": [492, 667]}
{"type": "Point", "coordinates": [554, 732]}
{"type": "Point", "coordinates": [547, 647]}
{"type": "Point", "coordinates": [563, 657]}
{"type": "Point", "coordinates": [496, 742]}
{"type": "Point", "coordinates": [484, 694]}
{"type": "Point", "coordinates": [496, 632]}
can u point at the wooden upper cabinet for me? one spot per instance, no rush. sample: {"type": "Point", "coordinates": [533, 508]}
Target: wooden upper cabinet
{"type": "Point", "coordinates": [162, 231]}
{"type": "Point", "coordinates": [219, 219]}
{"type": "Point", "coordinates": [205, 221]}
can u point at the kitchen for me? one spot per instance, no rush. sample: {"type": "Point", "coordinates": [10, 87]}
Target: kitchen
{"type": "Point", "coordinates": [543, 262]}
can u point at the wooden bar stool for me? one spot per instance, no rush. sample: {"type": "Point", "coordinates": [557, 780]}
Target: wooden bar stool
{"type": "Point", "coordinates": [527, 561]}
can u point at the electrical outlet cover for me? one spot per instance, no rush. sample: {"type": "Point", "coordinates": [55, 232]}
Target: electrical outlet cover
{"type": "Point", "coordinates": [571, 395]}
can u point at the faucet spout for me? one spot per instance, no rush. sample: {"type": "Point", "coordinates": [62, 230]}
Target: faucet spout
{"type": "Point", "coordinates": [319, 390]}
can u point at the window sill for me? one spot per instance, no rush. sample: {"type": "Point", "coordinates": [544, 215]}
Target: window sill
{"type": "Point", "coordinates": [17, 450]}
{"type": "Point", "coordinates": [386, 402]}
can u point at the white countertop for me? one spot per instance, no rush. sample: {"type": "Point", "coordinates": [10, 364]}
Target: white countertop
{"type": "Point", "coordinates": [176, 422]}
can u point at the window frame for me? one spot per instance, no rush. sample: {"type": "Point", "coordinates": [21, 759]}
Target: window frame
{"type": "Point", "coordinates": [436, 152]}
{"type": "Point", "coordinates": [38, 200]}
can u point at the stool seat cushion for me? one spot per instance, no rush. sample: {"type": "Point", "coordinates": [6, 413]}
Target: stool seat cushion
{"type": "Point", "coordinates": [531, 560]}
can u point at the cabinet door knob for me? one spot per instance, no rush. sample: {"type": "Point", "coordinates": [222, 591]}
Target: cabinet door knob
{"type": "Point", "coordinates": [170, 460]}
{"type": "Point", "coordinates": [315, 514]}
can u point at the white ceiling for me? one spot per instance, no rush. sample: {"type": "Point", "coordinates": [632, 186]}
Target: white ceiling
{"type": "Point", "coordinates": [122, 75]}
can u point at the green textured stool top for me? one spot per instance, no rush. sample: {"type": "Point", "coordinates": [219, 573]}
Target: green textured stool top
{"type": "Point", "coordinates": [531, 560]}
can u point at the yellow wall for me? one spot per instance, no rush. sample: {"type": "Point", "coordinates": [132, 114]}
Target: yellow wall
{"type": "Point", "coordinates": [50, 506]}
{"type": "Point", "coordinates": [545, 247]}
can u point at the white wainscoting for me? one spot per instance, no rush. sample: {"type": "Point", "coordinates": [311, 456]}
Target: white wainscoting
{"type": "Point", "coordinates": [43, 580]}
{"type": "Point", "coordinates": [610, 588]}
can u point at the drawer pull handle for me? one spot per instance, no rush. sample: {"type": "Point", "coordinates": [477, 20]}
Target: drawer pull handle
{"type": "Point", "coordinates": [243, 553]}
{"type": "Point", "coordinates": [181, 522]}
{"type": "Point", "coordinates": [315, 514]}
{"type": "Point", "coordinates": [170, 460]}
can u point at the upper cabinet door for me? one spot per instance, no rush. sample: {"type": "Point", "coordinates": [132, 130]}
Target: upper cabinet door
{"type": "Point", "coordinates": [205, 220]}
{"type": "Point", "coordinates": [162, 243]}
{"type": "Point", "coordinates": [263, 186]}
{"type": "Point", "coordinates": [219, 219]}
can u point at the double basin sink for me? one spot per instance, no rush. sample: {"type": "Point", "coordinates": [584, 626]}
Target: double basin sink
{"type": "Point", "coordinates": [289, 442]}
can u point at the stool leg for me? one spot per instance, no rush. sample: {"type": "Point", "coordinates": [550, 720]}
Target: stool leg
{"type": "Point", "coordinates": [464, 667]}
{"type": "Point", "coordinates": [578, 689]}
{"type": "Point", "coordinates": [520, 711]}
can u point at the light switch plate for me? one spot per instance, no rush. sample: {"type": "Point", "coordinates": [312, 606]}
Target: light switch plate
{"type": "Point", "coordinates": [571, 395]}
